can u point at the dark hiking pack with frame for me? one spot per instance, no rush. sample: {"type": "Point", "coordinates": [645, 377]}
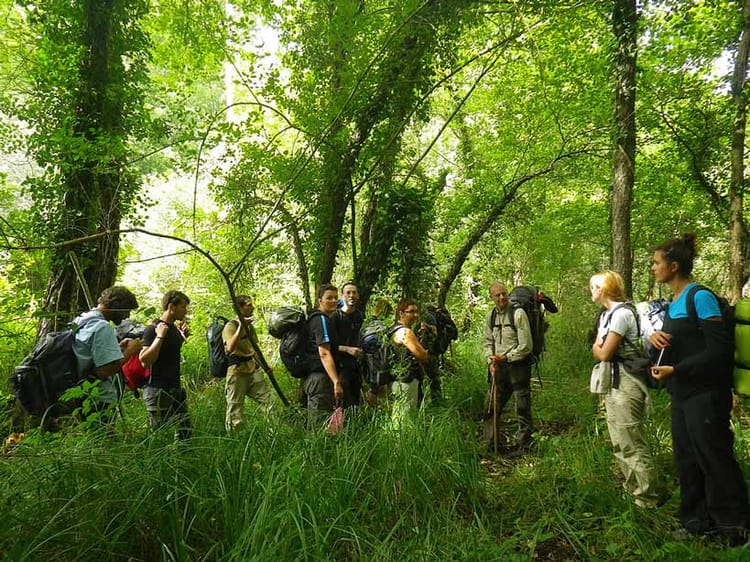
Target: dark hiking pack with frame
{"type": "Point", "coordinates": [218, 361]}
{"type": "Point", "coordinates": [375, 341]}
{"type": "Point", "coordinates": [447, 331]}
{"type": "Point", "coordinates": [47, 372]}
{"type": "Point", "coordinates": [535, 304]}
{"type": "Point", "coordinates": [289, 324]}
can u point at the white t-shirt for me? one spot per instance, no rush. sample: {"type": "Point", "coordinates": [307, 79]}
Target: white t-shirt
{"type": "Point", "coordinates": [621, 321]}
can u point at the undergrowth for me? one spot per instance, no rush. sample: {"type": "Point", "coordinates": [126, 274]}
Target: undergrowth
{"type": "Point", "coordinates": [427, 491]}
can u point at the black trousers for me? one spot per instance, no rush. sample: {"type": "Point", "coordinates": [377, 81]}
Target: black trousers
{"type": "Point", "coordinates": [351, 381]}
{"type": "Point", "coordinates": [713, 493]}
{"type": "Point", "coordinates": [511, 379]}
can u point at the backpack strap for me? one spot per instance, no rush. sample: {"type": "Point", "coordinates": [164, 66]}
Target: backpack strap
{"type": "Point", "coordinates": [511, 317]}
{"type": "Point", "coordinates": [629, 306]}
{"type": "Point", "coordinates": [690, 302]}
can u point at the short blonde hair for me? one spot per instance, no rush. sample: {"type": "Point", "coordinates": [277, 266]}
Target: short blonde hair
{"type": "Point", "coordinates": [611, 284]}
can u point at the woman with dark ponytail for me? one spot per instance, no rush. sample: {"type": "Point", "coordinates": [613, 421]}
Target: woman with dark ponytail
{"type": "Point", "coordinates": [697, 369]}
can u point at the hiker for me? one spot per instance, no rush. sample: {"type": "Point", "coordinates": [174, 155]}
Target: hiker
{"type": "Point", "coordinates": [346, 323]}
{"type": "Point", "coordinates": [164, 396]}
{"type": "Point", "coordinates": [382, 312]}
{"type": "Point", "coordinates": [697, 370]}
{"type": "Point", "coordinates": [428, 338]}
{"type": "Point", "coordinates": [322, 387]}
{"type": "Point", "coordinates": [507, 349]}
{"type": "Point", "coordinates": [627, 402]}
{"type": "Point", "coordinates": [408, 370]}
{"type": "Point", "coordinates": [99, 353]}
{"type": "Point", "coordinates": [244, 375]}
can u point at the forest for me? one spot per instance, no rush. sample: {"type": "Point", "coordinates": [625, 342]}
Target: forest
{"type": "Point", "coordinates": [424, 149]}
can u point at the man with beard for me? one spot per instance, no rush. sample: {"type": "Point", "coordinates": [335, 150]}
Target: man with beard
{"type": "Point", "coordinates": [347, 322]}
{"type": "Point", "coordinates": [97, 350]}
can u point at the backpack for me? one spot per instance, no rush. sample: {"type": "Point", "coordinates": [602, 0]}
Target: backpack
{"type": "Point", "coordinates": [535, 304]}
{"type": "Point", "coordinates": [135, 374]}
{"type": "Point", "coordinates": [639, 362]}
{"type": "Point", "coordinates": [730, 329]}
{"type": "Point", "coordinates": [726, 309]}
{"type": "Point", "coordinates": [289, 324]}
{"type": "Point", "coordinates": [375, 341]}
{"type": "Point", "coordinates": [47, 372]}
{"type": "Point", "coordinates": [446, 330]}
{"type": "Point", "coordinates": [218, 361]}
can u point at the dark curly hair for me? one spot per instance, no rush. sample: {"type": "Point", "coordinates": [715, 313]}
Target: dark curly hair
{"type": "Point", "coordinates": [117, 298]}
{"type": "Point", "coordinates": [681, 251]}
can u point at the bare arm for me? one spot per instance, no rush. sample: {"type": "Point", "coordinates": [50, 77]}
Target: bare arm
{"type": "Point", "coordinates": [231, 342]}
{"type": "Point", "coordinates": [605, 351]}
{"type": "Point", "coordinates": [326, 357]}
{"type": "Point", "coordinates": [129, 348]}
{"type": "Point", "coordinates": [412, 344]}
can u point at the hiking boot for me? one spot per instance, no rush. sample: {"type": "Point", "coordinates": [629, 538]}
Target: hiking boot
{"type": "Point", "coordinates": [682, 534]}
{"type": "Point", "coordinates": [734, 536]}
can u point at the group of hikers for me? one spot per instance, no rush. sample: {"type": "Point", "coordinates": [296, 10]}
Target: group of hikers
{"type": "Point", "coordinates": [695, 365]}
{"type": "Point", "coordinates": [694, 358]}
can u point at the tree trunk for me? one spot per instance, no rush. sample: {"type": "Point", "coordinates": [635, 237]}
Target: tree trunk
{"type": "Point", "coordinates": [737, 241]}
{"type": "Point", "coordinates": [96, 186]}
{"type": "Point", "coordinates": [624, 23]}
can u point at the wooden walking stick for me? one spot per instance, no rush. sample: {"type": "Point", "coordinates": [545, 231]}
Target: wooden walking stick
{"type": "Point", "coordinates": [493, 392]}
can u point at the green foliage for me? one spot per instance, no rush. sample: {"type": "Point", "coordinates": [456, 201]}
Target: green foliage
{"type": "Point", "coordinates": [273, 491]}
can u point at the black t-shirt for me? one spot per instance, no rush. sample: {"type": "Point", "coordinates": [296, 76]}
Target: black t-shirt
{"type": "Point", "coordinates": [165, 372]}
{"type": "Point", "coordinates": [319, 331]}
{"type": "Point", "coordinates": [346, 328]}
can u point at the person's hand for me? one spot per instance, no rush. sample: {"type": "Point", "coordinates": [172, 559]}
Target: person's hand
{"type": "Point", "coordinates": [354, 351]}
{"type": "Point", "coordinates": [130, 347]}
{"type": "Point", "coordinates": [660, 339]}
{"type": "Point", "coordinates": [184, 329]}
{"type": "Point", "coordinates": [161, 329]}
{"type": "Point", "coordinates": [338, 390]}
{"type": "Point", "coordinates": [662, 372]}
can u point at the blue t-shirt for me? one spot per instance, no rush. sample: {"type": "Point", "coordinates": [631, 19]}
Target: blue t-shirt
{"type": "Point", "coordinates": [96, 345]}
{"type": "Point", "coordinates": [706, 305]}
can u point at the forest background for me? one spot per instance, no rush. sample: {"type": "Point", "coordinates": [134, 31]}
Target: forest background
{"type": "Point", "coordinates": [425, 149]}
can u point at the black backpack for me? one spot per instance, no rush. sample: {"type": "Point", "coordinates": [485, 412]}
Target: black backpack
{"type": "Point", "coordinates": [47, 372]}
{"type": "Point", "coordinates": [218, 361]}
{"type": "Point", "coordinates": [375, 341]}
{"type": "Point", "coordinates": [447, 331]}
{"type": "Point", "coordinates": [535, 304]}
{"type": "Point", "coordinates": [289, 324]}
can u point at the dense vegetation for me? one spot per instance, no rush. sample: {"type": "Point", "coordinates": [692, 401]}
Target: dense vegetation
{"type": "Point", "coordinates": [274, 491]}
{"type": "Point", "coordinates": [423, 147]}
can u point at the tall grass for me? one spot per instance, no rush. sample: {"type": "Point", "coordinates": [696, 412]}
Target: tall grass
{"type": "Point", "coordinates": [276, 492]}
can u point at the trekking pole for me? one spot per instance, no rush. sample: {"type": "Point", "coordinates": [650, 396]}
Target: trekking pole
{"type": "Point", "coordinates": [493, 405]}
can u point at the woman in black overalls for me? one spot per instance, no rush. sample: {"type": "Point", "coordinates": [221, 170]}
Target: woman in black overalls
{"type": "Point", "coordinates": [697, 369]}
